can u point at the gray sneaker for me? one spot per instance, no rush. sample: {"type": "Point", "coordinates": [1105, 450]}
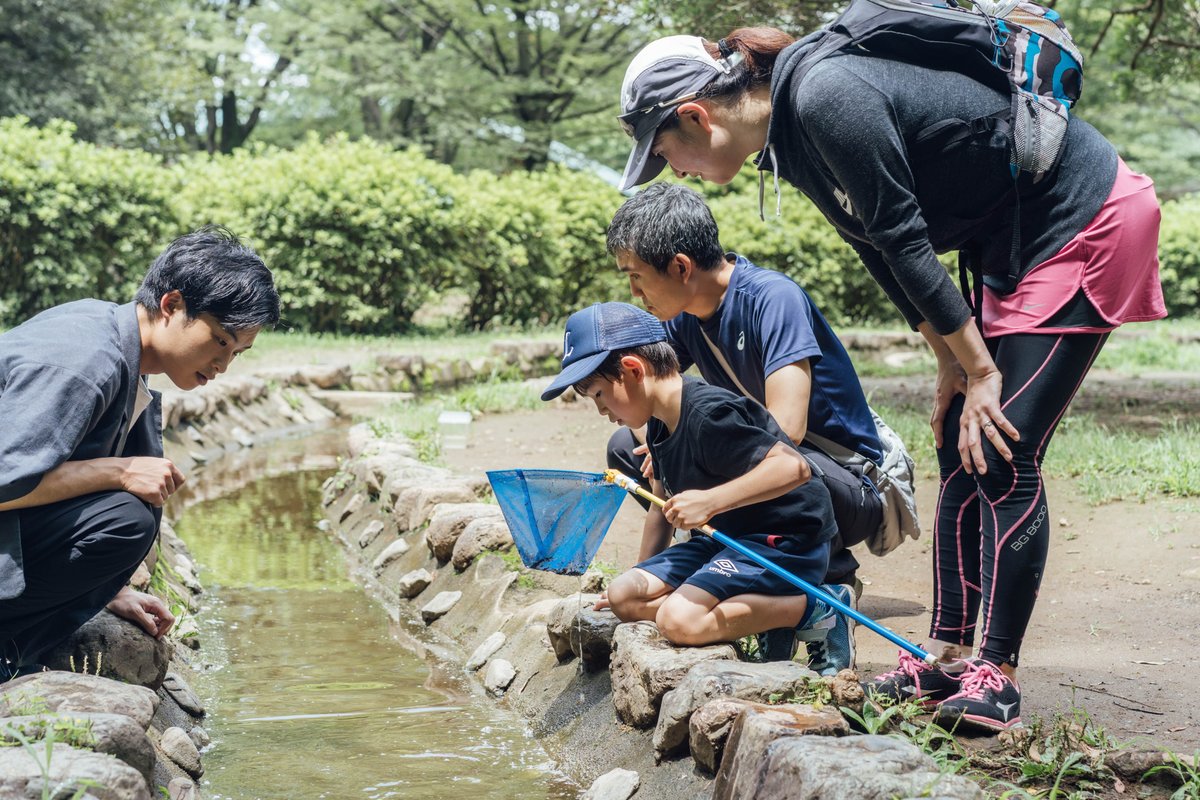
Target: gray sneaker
{"type": "Point", "coordinates": [834, 651]}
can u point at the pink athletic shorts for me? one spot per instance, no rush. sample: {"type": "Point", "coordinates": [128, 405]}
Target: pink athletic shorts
{"type": "Point", "coordinates": [1114, 260]}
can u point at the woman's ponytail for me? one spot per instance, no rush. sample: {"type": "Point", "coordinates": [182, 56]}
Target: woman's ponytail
{"type": "Point", "coordinates": [758, 48]}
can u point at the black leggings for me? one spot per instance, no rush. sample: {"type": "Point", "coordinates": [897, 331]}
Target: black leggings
{"type": "Point", "coordinates": [991, 555]}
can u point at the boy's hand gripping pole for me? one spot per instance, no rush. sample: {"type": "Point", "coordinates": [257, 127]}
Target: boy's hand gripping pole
{"type": "Point", "coordinates": [631, 486]}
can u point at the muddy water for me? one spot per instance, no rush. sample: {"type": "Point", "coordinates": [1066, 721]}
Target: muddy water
{"type": "Point", "coordinates": [308, 694]}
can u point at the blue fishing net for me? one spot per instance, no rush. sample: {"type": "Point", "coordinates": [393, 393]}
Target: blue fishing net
{"type": "Point", "coordinates": [557, 517]}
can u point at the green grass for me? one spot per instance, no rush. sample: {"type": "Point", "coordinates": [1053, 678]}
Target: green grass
{"type": "Point", "coordinates": [277, 347]}
{"type": "Point", "coordinates": [1108, 463]}
{"type": "Point", "coordinates": [1163, 346]}
{"type": "Point", "coordinates": [418, 421]}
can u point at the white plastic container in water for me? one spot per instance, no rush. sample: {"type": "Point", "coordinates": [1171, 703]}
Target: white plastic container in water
{"type": "Point", "coordinates": [453, 427]}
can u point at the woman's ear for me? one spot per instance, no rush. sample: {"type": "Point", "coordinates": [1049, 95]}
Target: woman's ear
{"type": "Point", "coordinates": [695, 114]}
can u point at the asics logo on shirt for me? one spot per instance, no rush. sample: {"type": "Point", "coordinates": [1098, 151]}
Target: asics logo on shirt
{"type": "Point", "coordinates": [724, 567]}
{"type": "Point", "coordinates": [742, 340]}
{"type": "Point", "coordinates": [843, 200]}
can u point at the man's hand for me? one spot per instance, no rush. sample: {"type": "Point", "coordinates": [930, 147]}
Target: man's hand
{"type": "Point", "coordinates": [151, 479]}
{"type": "Point", "coordinates": [145, 610]}
{"type": "Point", "coordinates": [647, 462]}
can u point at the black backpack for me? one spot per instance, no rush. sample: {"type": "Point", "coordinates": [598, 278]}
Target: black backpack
{"type": "Point", "coordinates": [1014, 46]}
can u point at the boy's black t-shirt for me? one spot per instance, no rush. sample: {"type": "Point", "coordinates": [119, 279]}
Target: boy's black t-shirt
{"type": "Point", "coordinates": [722, 436]}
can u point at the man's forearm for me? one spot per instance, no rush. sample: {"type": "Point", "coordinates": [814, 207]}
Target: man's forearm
{"type": "Point", "coordinates": [71, 479]}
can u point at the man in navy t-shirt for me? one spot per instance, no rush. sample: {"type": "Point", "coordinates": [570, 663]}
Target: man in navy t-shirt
{"type": "Point", "coordinates": [756, 333]}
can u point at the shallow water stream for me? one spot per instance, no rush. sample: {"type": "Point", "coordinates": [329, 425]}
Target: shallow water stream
{"type": "Point", "coordinates": [308, 693]}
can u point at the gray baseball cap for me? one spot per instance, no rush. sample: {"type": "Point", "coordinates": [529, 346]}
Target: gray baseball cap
{"type": "Point", "coordinates": [665, 73]}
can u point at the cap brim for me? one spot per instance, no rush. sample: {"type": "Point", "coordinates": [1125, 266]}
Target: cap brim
{"type": "Point", "coordinates": [573, 374]}
{"type": "Point", "coordinates": [642, 166]}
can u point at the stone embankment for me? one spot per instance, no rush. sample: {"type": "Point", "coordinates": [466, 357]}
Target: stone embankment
{"type": "Point", "coordinates": [616, 705]}
{"type": "Point", "coordinates": [114, 717]}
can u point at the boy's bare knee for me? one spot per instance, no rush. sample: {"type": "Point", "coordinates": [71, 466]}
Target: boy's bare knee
{"type": "Point", "coordinates": [625, 593]}
{"type": "Point", "coordinates": [682, 627]}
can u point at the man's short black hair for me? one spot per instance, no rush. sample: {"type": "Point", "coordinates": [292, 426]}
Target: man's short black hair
{"type": "Point", "coordinates": [660, 359]}
{"type": "Point", "coordinates": [664, 219]}
{"type": "Point", "coordinates": [217, 275]}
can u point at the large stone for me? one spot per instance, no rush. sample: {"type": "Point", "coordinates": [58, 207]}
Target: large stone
{"type": "Point", "coordinates": [326, 376]}
{"type": "Point", "coordinates": [486, 650]}
{"type": "Point", "coordinates": [390, 553]}
{"type": "Point", "coordinates": [709, 726]}
{"type": "Point", "coordinates": [708, 730]}
{"type": "Point", "coordinates": [415, 505]}
{"type": "Point", "coordinates": [767, 759]}
{"type": "Point", "coordinates": [370, 533]}
{"type": "Point", "coordinates": [478, 537]}
{"type": "Point", "coordinates": [412, 477]}
{"type": "Point", "coordinates": [377, 468]}
{"type": "Point", "coordinates": [70, 692]}
{"type": "Point", "coordinates": [645, 666]}
{"type": "Point", "coordinates": [575, 628]}
{"type": "Point", "coordinates": [413, 583]}
{"type": "Point", "coordinates": [499, 675]}
{"type": "Point", "coordinates": [715, 679]}
{"type": "Point", "coordinates": [115, 648]}
{"type": "Point", "coordinates": [439, 606]}
{"type": "Point", "coordinates": [64, 771]}
{"type": "Point", "coordinates": [448, 522]}
{"type": "Point", "coordinates": [114, 734]}
{"type": "Point", "coordinates": [179, 747]}
{"type": "Point", "coordinates": [618, 784]}
{"type": "Point", "coordinates": [199, 737]}
{"type": "Point", "coordinates": [182, 789]}
{"type": "Point", "coordinates": [351, 508]}
{"type": "Point", "coordinates": [182, 694]}
{"type": "Point", "coordinates": [359, 438]}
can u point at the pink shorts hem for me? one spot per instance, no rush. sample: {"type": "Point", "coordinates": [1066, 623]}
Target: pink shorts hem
{"type": "Point", "coordinates": [1114, 261]}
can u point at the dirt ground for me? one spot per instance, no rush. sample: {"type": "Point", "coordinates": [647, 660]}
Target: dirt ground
{"type": "Point", "coordinates": [1116, 628]}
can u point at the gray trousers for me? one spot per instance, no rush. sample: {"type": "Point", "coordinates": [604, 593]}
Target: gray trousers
{"type": "Point", "coordinates": [78, 554]}
{"type": "Point", "coordinates": [856, 506]}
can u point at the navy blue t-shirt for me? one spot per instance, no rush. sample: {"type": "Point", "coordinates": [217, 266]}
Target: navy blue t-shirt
{"type": "Point", "coordinates": [722, 436]}
{"type": "Point", "coordinates": [765, 322]}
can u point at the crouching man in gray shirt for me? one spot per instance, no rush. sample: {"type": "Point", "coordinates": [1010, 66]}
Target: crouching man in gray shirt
{"type": "Point", "coordinates": [82, 473]}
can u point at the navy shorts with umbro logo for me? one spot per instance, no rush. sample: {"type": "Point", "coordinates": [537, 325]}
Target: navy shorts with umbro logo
{"type": "Point", "coordinates": [707, 564]}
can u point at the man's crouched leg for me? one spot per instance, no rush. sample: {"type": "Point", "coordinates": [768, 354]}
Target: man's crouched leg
{"type": "Point", "coordinates": [78, 554]}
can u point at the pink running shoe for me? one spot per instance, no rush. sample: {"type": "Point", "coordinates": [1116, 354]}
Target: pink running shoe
{"type": "Point", "coordinates": [989, 700]}
{"type": "Point", "coordinates": [913, 679]}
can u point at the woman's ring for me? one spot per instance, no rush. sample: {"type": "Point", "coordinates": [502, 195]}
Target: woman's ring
{"type": "Point", "coordinates": [988, 424]}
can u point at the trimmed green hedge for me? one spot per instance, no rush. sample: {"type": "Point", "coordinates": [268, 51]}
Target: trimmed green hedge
{"type": "Point", "coordinates": [76, 220]}
{"type": "Point", "coordinates": [802, 244]}
{"type": "Point", "coordinates": [1179, 256]}
{"type": "Point", "coordinates": [360, 235]}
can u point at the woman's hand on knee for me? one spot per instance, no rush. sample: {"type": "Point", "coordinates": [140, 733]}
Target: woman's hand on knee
{"type": "Point", "coordinates": [983, 419]}
{"type": "Point", "coordinates": [951, 382]}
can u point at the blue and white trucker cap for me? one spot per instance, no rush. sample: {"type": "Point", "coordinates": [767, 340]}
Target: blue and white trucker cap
{"type": "Point", "coordinates": [596, 331]}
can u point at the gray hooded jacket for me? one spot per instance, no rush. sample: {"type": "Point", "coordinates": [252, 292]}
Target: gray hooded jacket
{"type": "Point", "coordinates": [887, 151]}
{"type": "Point", "coordinates": [68, 383]}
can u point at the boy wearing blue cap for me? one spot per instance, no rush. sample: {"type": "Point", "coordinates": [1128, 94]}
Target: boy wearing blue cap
{"type": "Point", "coordinates": [721, 459]}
